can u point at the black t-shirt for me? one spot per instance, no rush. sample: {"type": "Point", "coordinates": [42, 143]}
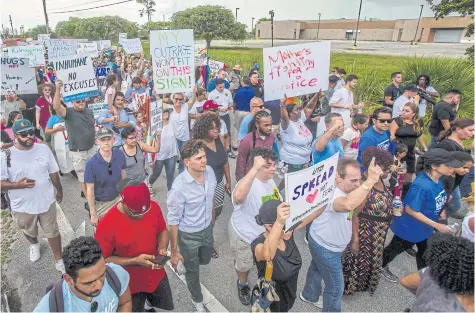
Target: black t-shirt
{"type": "Point", "coordinates": [258, 90]}
{"type": "Point", "coordinates": [217, 159]}
{"type": "Point", "coordinates": [450, 183]}
{"type": "Point", "coordinates": [286, 263]}
{"type": "Point", "coordinates": [406, 132]}
{"type": "Point", "coordinates": [393, 92]}
{"type": "Point", "coordinates": [442, 111]}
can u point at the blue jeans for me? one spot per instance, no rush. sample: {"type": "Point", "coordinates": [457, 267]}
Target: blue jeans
{"type": "Point", "coordinates": [325, 265]}
{"type": "Point", "coordinates": [181, 165]}
{"type": "Point", "coordinates": [433, 141]}
{"type": "Point", "coordinates": [169, 170]}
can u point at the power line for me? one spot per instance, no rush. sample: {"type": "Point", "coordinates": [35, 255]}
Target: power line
{"type": "Point", "coordinates": [101, 6]}
{"type": "Point", "coordinates": [77, 5]}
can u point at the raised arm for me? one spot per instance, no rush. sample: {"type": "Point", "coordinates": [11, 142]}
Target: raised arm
{"type": "Point", "coordinates": [312, 104]}
{"type": "Point", "coordinates": [60, 110]}
{"type": "Point", "coordinates": [284, 115]}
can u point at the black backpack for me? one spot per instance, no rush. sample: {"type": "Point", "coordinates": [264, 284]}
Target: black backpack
{"type": "Point", "coordinates": [56, 301]}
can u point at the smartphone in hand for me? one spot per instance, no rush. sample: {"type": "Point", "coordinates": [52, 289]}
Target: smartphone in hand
{"type": "Point", "coordinates": [161, 259]}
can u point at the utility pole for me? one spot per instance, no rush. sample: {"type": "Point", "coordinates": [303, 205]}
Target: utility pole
{"type": "Point", "coordinates": [236, 13]}
{"type": "Point", "coordinates": [318, 29]}
{"type": "Point", "coordinates": [271, 12]}
{"type": "Point", "coordinates": [357, 25]}
{"type": "Point", "coordinates": [46, 16]}
{"type": "Point", "coordinates": [414, 42]}
{"type": "Point", "coordinates": [11, 24]}
{"type": "Point", "coordinates": [252, 26]}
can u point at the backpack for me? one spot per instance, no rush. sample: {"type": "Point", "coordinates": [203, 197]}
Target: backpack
{"type": "Point", "coordinates": [56, 301]}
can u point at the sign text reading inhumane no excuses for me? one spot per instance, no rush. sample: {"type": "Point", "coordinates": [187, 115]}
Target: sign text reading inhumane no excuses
{"type": "Point", "coordinates": [78, 76]}
{"type": "Point", "coordinates": [296, 70]}
{"type": "Point", "coordinates": [173, 60]}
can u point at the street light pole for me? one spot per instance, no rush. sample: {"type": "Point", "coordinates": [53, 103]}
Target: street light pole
{"type": "Point", "coordinates": [236, 13]}
{"type": "Point", "coordinates": [252, 26]}
{"type": "Point", "coordinates": [417, 28]}
{"type": "Point", "coordinates": [357, 25]}
{"type": "Point", "coordinates": [46, 16]}
{"type": "Point", "coordinates": [271, 12]}
{"type": "Point", "coordinates": [318, 29]}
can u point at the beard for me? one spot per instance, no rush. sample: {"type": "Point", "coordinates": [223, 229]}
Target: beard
{"type": "Point", "coordinates": [92, 294]}
{"type": "Point", "coordinates": [27, 143]}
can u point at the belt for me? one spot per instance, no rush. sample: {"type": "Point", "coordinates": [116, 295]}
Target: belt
{"type": "Point", "coordinates": [77, 150]}
{"type": "Point", "coordinates": [376, 218]}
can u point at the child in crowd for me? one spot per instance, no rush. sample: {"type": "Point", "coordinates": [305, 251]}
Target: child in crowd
{"type": "Point", "coordinates": [351, 137]}
{"type": "Point", "coordinates": [141, 128]}
{"type": "Point", "coordinates": [398, 169]}
{"type": "Point", "coordinates": [197, 108]}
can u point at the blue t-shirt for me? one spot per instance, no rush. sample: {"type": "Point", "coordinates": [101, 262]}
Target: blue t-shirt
{"type": "Point", "coordinates": [97, 173]}
{"type": "Point", "coordinates": [244, 127]}
{"type": "Point", "coordinates": [131, 89]}
{"type": "Point", "coordinates": [243, 97]}
{"type": "Point", "coordinates": [371, 138]}
{"type": "Point", "coordinates": [54, 119]}
{"type": "Point", "coordinates": [107, 299]}
{"type": "Point", "coordinates": [333, 146]}
{"type": "Point", "coordinates": [424, 196]}
{"type": "Point", "coordinates": [212, 85]}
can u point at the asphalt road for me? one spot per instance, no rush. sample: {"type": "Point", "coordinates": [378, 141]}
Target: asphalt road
{"type": "Point", "coordinates": [218, 277]}
{"type": "Point", "coordinates": [451, 50]}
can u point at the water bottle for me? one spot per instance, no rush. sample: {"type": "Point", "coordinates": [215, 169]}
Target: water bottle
{"type": "Point", "coordinates": [279, 167]}
{"type": "Point", "coordinates": [454, 227]}
{"type": "Point", "coordinates": [397, 206]}
{"type": "Point", "coordinates": [283, 170]}
{"type": "Point", "coordinates": [404, 166]}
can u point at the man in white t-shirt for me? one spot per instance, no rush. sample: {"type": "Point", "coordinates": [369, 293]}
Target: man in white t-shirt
{"type": "Point", "coordinates": [250, 193]}
{"type": "Point", "coordinates": [29, 172]}
{"type": "Point", "coordinates": [224, 99]}
{"type": "Point", "coordinates": [331, 233]}
{"type": "Point", "coordinates": [351, 136]}
{"type": "Point", "coordinates": [342, 101]}
{"type": "Point", "coordinates": [409, 95]}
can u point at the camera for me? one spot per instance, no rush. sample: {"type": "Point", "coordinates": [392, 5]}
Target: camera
{"type": "Point", "coordinates": [424, 95]}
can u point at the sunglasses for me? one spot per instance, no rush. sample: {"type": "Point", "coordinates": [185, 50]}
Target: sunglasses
{"type": "Point", "coordinates": [94, 306]}
{"type": "Point", "coordinates": [387, 121]}
{"type": "Point", "coordinates": [110, 168]}
{"type": "Point", "coordinates": [29, 133]}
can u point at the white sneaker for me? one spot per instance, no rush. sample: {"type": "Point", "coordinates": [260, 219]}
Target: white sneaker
{"type": "Point", "coordinates": [305, 239]}
{"type": "Point", "coordinates": [35, 253]}
{"type": "Point", "coordinates": [150, 188]}
{"type": "Point", "coordinates": [60, 266]}
{"type": "Point", "coordinates": [199, 306]}
{"type": "Point", "coordinates": [318, 304]}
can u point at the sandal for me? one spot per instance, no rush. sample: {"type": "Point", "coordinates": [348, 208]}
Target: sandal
{"type": "Point", "coordinates": [214, 255]}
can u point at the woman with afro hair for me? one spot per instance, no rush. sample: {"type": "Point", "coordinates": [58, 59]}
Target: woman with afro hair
{"type": "Point", "coordinates": [207, 128]}
{"type": "Point", "coordinates": [447, 283]}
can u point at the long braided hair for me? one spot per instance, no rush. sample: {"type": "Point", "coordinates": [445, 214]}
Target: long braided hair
{"type": "Point", "coordinates": [253, 125]}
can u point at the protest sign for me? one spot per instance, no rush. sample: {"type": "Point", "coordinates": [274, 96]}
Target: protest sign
{"type": "Point", "coordinates": [103, 44]}
{"type": "Point", "coordinates": [29, 40]}
{"type": "Point", "coordinates": [215, 66]}
{"type": "Point", "coordinates": [309, 189]}
{"type": "Point", "coordinates": [36, 54]}
{"type": "Point", "coordinates": [17, 75]}
{"type": "Point", "coordinates": [173, 60]}
{"type": "Point", "coordinates": [156, 110]}
{"type": "Point", "coordinates": [102, 72]}
{"type": "Point", "coordinates": [296, 70]}
{"type": "Point", "coordinates": [60, 47]}
{"type": "Point", "coordinates": [78, 76]}
{"type": "Point", "coordinates": [88, 48]}
{"type": "Point", "coordinates": [200, 55]}
{"type": "Point", "coordinates": [98, 108]}
{"type": "Point", "coordinates": [132, 46]}
{"type": "Point", "coordinates": [43, 37]}
{"type": "Point", "coordinates": [122, 36]}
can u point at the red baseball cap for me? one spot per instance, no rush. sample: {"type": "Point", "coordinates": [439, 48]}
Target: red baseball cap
{"type": "Point", "coordinates": [135, 195]}
{"type": "Point", "coordinates": [210, 105]}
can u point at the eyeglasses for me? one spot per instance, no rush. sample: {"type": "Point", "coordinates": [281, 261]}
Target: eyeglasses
{"type": "Point", "coordinates": [94, 306]}
{"type": "Point", "coordinates": [258, 106]}
{"type": "Point", "coordinates": [110, 168]}
{"type": "Point", "coordinates": [387, 121]}
{"type": "Point", "coordinates": [30, 133]}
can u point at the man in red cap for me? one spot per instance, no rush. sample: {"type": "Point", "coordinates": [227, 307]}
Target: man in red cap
{"type": "Point", "coordinates": [212, 106]}
{"type": "Point", "coordinates": [133, 234]}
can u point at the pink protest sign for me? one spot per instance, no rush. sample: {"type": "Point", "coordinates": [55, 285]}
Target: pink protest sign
{"type": "Point", "coordinates": [296, 70]}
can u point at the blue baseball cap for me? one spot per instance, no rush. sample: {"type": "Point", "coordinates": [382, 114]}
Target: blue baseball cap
{"type": "Point", "coordinates": [21, 125]}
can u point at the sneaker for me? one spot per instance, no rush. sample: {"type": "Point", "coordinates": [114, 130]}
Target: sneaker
{"type": "Point", "coordinates": [318, 304]}
{"type": "Point", "coordinates": [35, 253]}
{"type": "Point", "coordinates": [60, 266]}
{"type": "Point", "coordinates": [411, 252]}
{"type": "Point", "coordinates": [148, 307]}
{"type": "Point", "coordinates": [306, 240]}
{"type": "Point", "coordinates": [386, 273]}
{"type": "Point", "coordinates": [231, 155]}
{"type": "Point", "coordinates": [244, 293]}
{"type": "Point", "coordinates": [199, 306]}
{"type": "Point", "coordinates": [150, 188]}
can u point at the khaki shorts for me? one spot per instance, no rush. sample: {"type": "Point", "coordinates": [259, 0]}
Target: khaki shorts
{"type": "Point", "coordinates": [102, 207]}
{"type": "Point", "coordinates": [28, 223]}
{"type": "Point", "coordinates": [243, 259]}
{"type": "Point", "coordinates": [80, 159]}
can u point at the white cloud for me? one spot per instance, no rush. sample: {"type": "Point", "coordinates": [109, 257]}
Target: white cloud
{"type": "Point", "coordinates": [30, 12]}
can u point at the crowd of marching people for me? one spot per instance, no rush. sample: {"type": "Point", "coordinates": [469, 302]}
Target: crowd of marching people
{"type": "Point", "coordinates": [389, 177]}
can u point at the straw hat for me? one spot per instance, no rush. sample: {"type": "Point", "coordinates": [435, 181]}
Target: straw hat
{"type": "Point", "coordinates": [237, 67]}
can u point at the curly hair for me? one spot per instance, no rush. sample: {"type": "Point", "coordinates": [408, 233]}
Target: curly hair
{"type": "Point", "coordinates": [266, 154]}
{"type": "Point", "coordinates": [204, 124]}
{"type": "Point", "coordinates": [192, 147]}
{"type": "Point", "coordinates": [450, 261]}
{"type": "Point", "coordinates": [80, 253]}
{"type": "Point", "coordinates": [381, 157]}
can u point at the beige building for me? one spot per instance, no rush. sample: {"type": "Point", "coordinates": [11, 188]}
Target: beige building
{"type": "Point", "coordinates": [448, 29]}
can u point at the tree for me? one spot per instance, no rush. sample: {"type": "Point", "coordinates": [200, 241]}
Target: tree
{"type": "Point", "coordinates": [148, 10]}
{"type": "Point", "coordinates": [147, 27]}
{"type": "Point", "coordinates": [39, 29]}
{"type": "Point", "coordinates": [238, 33]}
{"type": "Point", "coordinates": [208, 22]}
{"type": "Point", "coordinates": [97, 28]}
{"type": "Point", "coordinates": [463, 7]}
